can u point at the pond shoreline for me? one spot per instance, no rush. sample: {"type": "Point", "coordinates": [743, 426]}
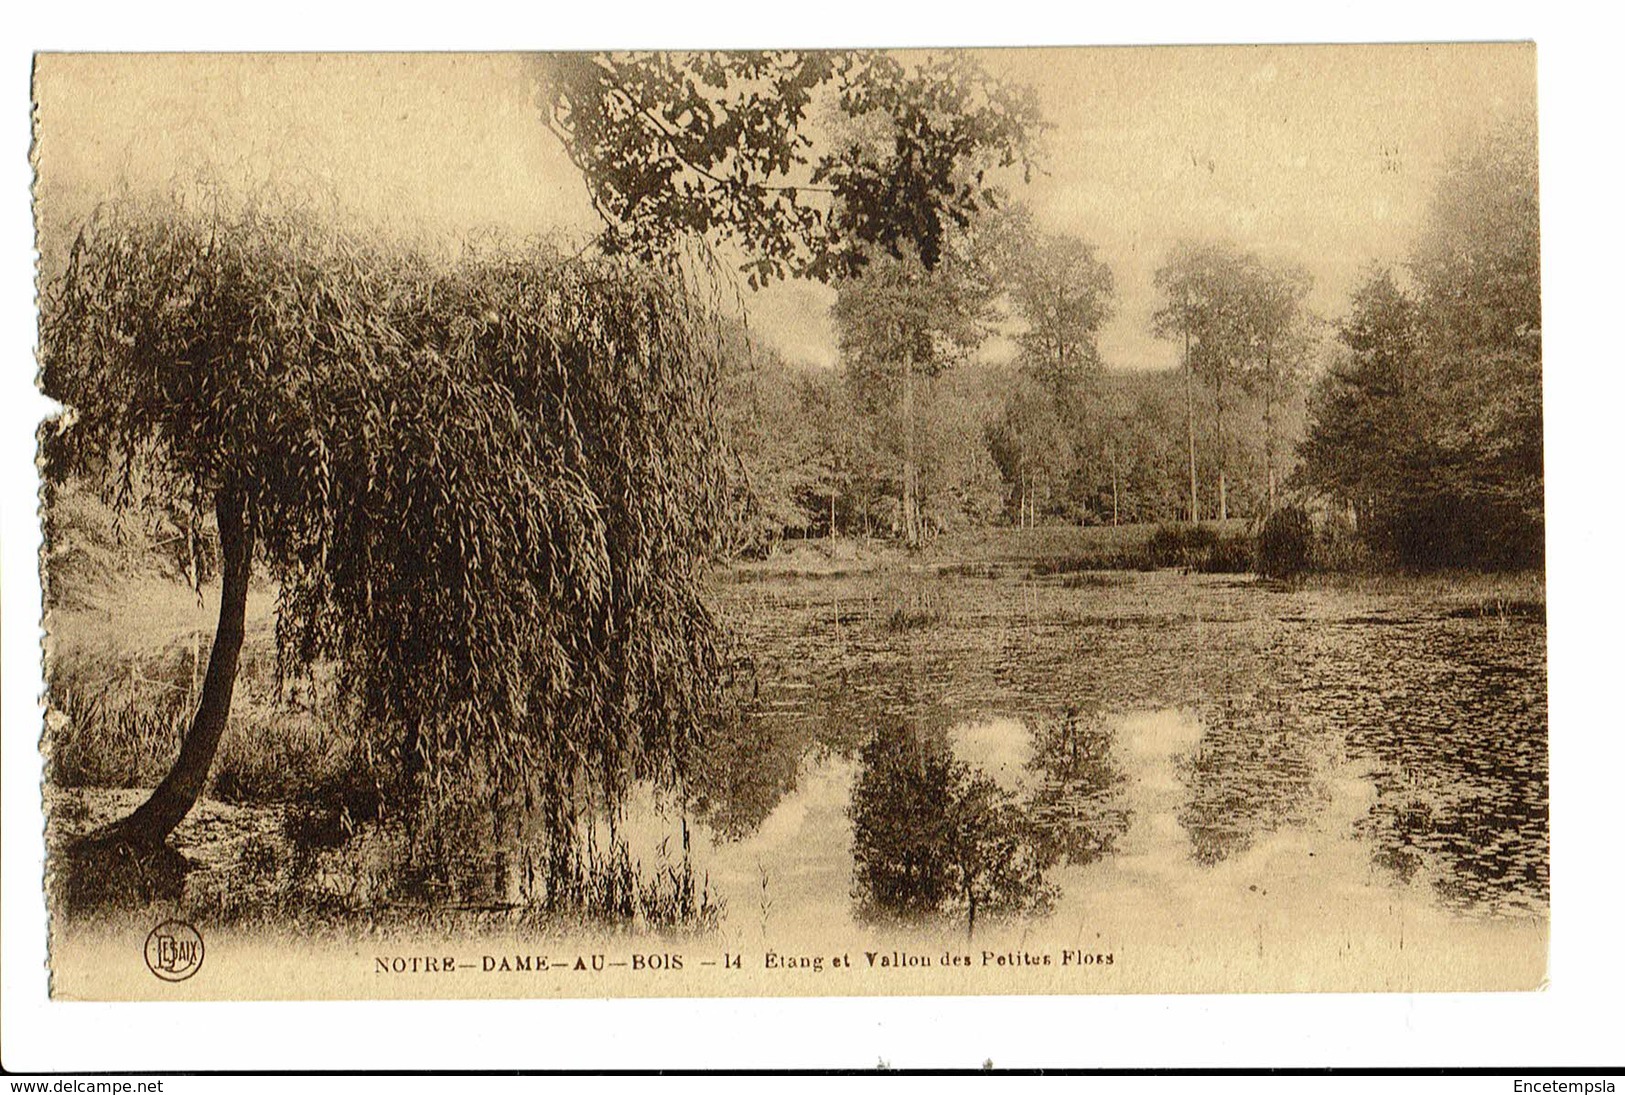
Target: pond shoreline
{"type": "Point", "coordinates": [1223, 782]}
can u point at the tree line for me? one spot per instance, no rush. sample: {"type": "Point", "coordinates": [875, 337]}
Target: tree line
{"type": "Point", "coordinates": [1415, 417]}
{"type": "Point", "coordinates": [914, 429]}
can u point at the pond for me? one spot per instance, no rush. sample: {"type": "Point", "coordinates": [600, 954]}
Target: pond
{"type": "Point", "coordinates": [935, 747]}
{"type": "Point", "coordinates": [975, 750]}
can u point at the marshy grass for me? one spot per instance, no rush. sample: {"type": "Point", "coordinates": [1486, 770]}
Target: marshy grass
{"type": "Point", "coordinates": [125, 731]}
{"type": "Point", "coordinates": [1091, 580]}
{"type": "Point", "coordinates": [1472, 592]}
{"type": "Point", "coordinates": [1108, 559]}
{"type": "Point", "coordinates": [911, 619]}
{"type": "Point", "coordinates": [915, 605]}
{"type": "Point", "coordinates": [1500, 608]}
{"type": "Point", "coordinates": [97, 738]}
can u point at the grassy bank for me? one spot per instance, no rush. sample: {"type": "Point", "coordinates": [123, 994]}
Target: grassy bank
{"type": "Point", "coordinates": [128, 647]}
{"type": "Point", "coordinates": [1212, 547]}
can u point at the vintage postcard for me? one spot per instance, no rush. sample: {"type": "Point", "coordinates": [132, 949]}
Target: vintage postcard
{"type": "Point", "coordinates": [838, 523]}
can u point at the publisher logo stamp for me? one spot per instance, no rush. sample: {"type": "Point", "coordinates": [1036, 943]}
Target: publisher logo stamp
{"type": "Point", "coordinates": [174, 950]}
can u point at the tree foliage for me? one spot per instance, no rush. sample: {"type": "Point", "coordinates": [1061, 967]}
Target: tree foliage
{"type": "Point", "coordinates": [901, 324]}
{"type": "Point", "coordinates": [1477, 262]}
{"type": "Point", "coordinates": [933, 836]}
{"type": "Point", "coordinates": [1052, 426]}
{"type": "Point", "coordinates": [1431, 425]}
{"type": "Point", "coordinates": [1244, 328]}
{"type": "Point", "coordinates": [799, 446]}
{"type": "Point", "coordinates": [1061, 293]}
{"type": "Point", "coordinates": [1277, 324]}
{"type": "Point", "coordinates": [899, 310]}
{"type": "Point", "coordinates": [485, 485]}
{"type": "Point", "coordinates": [1366, 405]}
{"type": "Point", "coordinates": [1243, 317]}
{"type": "Point", "coordinates": [732, 147]}
{"type": "Point", "coordinates": [1033, 446]}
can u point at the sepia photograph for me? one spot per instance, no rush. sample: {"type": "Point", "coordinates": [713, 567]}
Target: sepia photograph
{"type": "Point", "coordinates": [852, 522]}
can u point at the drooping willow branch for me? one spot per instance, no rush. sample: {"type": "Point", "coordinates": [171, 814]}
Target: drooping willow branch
{"type": "Point", "coordinates": [485, 486]}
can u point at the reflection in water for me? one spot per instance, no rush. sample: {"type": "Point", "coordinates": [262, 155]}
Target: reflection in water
{"type": "Point", "coordinates": [981, 818]}
{"type": "Point", "coordinates": [933, 836]}
{"type": "Point", "coordinates": [1165, 727]}
{"type": "Point", "coordinates": [1000, 748]}
{"type": "Point", "coordinates": [1261, 758]}
{"type": "Point", "coordinates": [746, 767]}
{"type": "Point", "coordinates": [1074, 803]}
{"type": "Point", "coordinates": [1297, 705]}
{"type": "Point", "coordinates": [967, 823]}
{"type": "Point", "coordinates": [1151, 745]}
{"type": "Point", "coordinates": [1254, 770]}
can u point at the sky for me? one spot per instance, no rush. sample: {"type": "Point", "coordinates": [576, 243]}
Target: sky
{"type": "Point", "coordinates": [1318, 155]}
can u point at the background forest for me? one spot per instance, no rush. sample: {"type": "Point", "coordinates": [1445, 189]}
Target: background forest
{"type": "Point", "coordinates": [1413, 417]}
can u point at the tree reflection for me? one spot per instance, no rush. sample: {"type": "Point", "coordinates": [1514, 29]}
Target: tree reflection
{"type": "Point", "coordinates": [934, 837]}
{"type": "Point", "coordinates": [1074, 807]}
{"type": "Point", "coordinates": [1257, 769]}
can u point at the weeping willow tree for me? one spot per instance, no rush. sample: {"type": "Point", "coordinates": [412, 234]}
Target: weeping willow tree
{"type": "Point", "coordinates": [485, 486]}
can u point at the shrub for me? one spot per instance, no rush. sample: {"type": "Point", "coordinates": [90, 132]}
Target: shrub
{"type": "Point", "coordinates": [1286, 543]}
{"type": "Point", "coordinates": [1338, 545]}
{"type": "Point", "coordinates": [1200, 548]}
{"type": "Point", "coordinates": [1179, 545]}
{"type": "Point", "coordinates": [1228, 555]}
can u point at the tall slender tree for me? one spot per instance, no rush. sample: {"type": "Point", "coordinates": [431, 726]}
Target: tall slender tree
{"type": "Point", "coordinates": [1196, 281]}
{"type": "Point", "coordinates": [900, 325]}
{"type": "Point", "coordinates": [1243, 325]}
{"type": "Point", "coordinates": [1280, 335]}
{"type": "Point", "coordinates": [1059, 295]}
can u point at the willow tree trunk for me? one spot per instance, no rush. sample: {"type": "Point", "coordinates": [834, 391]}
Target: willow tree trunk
{"type": "Point", "coordinates": [1190, 423]}
{"type": "Point", "coordinates": [155, 819]}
